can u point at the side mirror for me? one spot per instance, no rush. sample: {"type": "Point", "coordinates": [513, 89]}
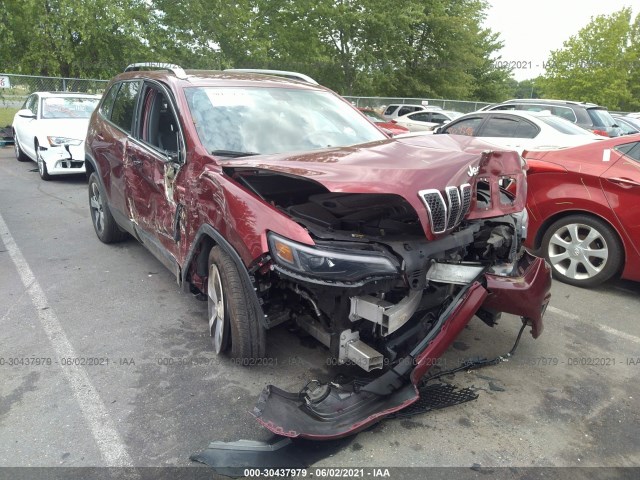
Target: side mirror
{"type": "Point", "coordinates": [438, 130]}
{"type": "Point", "coordinates": [26, 113]}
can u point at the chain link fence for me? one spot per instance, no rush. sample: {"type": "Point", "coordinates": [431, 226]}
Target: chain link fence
{"type": "Point", "coordinates": [379, 103]}
{"type": "Point", "coordinates": [14, 89]}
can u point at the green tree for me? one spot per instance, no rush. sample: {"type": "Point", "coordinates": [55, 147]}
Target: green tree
{"type": "Point", "coordinates": [74, 39]}
{"type": "Point", "coordinates": [599, 64]}
{"type": "Point", "coordinates": [366, 47]}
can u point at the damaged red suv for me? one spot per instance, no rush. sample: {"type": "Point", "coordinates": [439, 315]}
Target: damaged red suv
{"type": "Point", "coordinates": [280, 202]}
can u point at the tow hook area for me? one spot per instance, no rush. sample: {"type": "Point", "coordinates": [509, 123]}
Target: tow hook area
{"type": "Point", "coordinates": [324, 411]}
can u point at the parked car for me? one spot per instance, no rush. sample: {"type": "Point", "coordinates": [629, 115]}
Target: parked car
{"type": "Point", "coordinates": [278, 202]}
{"type": "Point", "coordinates": [396, 110]}
{"type": "Point", "coordinates": [520, 130]}
{"type": "Point", "coordinates": [628, 125]}
{"type": "Point", "coordinates": [50, 129]}
{"type": "Point", "coordinates": [586, 115]}
{"type": "Point", "coordinates": [426, 121]}
{"type": "Point", "coordinates": [387, 126]}
{"type": "Point", "coordinates": [584, 205]}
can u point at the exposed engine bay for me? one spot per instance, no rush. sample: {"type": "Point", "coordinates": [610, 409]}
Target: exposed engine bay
{"type": "Point", "coordinates": [373, 285]}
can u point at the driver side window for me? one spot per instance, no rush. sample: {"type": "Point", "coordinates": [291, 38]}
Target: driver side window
{"type": "Point", "coordinates": [158, 123]}
{"type": "Point", "coordinates": [32, 104]}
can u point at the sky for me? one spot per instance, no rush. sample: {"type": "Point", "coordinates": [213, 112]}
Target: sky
{"type": "Point", "coordinates": [531, 29]}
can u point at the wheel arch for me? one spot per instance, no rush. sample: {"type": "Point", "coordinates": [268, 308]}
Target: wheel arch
{"type": "Point", "coordinates": [205, 239]}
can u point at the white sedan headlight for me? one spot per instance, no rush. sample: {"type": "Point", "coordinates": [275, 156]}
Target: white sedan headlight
{"type": "Point", "coordinates": [58, 141]}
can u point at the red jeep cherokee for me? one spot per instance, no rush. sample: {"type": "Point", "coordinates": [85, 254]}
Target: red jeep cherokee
{"type": "Point", "coordinates": [280, 202]}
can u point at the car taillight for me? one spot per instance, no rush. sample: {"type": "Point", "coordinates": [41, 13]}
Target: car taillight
{"type": "Point", "coordinates": [540, 166]}
{"type": "Point", "coordinates": [393, 121]}
{"type": "Point", "coordinates": [600, 132]}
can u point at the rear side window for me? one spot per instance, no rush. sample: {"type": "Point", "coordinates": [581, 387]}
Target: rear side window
{"type": "Point", "coordinates": [500, 127]}
{"type": "Point", "coordinates": [124, 105]}
{"type": "Point", "coordinates": [468, 127]}
{"type": "Point", "coordinates": [438, 118]}
{"type": "Point", "coordinates": [631, 150]}
{"type": "Point", "coordinates": [420, 117]}
{"type": "Point", "coordinates": [601, 118]}
{"type": "Point", "coordinates": [107, 103]}
{"type": "Point", "coordinates": [526, 129]}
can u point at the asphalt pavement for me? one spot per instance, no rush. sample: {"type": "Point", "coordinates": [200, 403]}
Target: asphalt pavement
{"type": "Point", "coordinates": [104, 361]}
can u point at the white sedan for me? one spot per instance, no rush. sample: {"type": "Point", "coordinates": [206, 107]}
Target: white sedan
{"type": "Point", "coordinates": [50, 130]}
{"type": "Point", "coordinates": [426, 121]}
{"type": "Point", "coordinates": [521, 131]}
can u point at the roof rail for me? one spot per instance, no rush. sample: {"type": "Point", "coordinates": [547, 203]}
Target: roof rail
{"type": "Point", "coordinates": [175, 69]}
{"type": "Point", "coordinates": [279, 73]}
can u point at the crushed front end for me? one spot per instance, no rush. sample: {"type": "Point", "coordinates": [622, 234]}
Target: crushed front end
{"type": "Point", "coordinates": [388, 287]}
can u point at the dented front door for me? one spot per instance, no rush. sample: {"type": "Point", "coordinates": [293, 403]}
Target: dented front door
{"type": "Point", "coordinates": [149, 178]}
{"type": "Point", "coordinates": [152, 163]}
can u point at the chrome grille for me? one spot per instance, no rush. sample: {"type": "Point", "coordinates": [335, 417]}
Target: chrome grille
{"type": "Point", "coordinates": [446, 214]}
{"type": "Point", "coordinates": [453, 195]}
{"type": "Point", "coordinates": [466, 200]}
{"type": "Point", "coordinates": [437, 209]}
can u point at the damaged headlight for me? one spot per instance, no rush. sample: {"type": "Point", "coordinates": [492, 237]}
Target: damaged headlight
{"type": "Point", "coordinates": [58, 141]}
{"type": "Point", "coordinates": [328, 264]}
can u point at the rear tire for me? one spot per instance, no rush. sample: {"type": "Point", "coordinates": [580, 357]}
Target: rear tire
{"type": "Point", "coordinates": [104, 225]}
{"type": "Point", "coordinates": [231, 313]}
{"type": "Point", "coordinates": [582, 250]}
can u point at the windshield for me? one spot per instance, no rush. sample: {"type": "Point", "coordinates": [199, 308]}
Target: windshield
{"type": "Point", "coordinates": [232, 120]}
{"type": "Point", "coordinates": [68, 107]}
{"type": "Point", "coordinates": [601, 118]}
{"type": "Point", "coordinates": [564, 126]}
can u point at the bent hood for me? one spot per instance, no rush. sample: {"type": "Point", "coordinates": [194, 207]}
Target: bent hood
{"type": "Point", "coordinates": [402, 166]}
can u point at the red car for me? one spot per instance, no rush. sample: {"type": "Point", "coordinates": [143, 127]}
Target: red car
{"type": "Point", "coordinates": [279, 203]}
{"type": "Point", "coordinates": [389, 127]}
{"type": "Point", "coordinates": [584, 206]}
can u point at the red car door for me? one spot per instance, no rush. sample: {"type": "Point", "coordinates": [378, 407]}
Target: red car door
{"type": "Point", "coordinates": [621, 185]}
{"type": "Point", "coordinates": [152, 164]}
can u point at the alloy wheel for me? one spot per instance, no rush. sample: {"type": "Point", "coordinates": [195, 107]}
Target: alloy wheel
{"type": "Point", "coordinates": [578, 251]}
{"type": "Point", "coordinates": [97, 209]}
{"type": "Point", "coordinates": [216, 309]}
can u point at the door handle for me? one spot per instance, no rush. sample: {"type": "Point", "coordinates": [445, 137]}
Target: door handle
{"type": "Point", "coordinates": [624, 182]}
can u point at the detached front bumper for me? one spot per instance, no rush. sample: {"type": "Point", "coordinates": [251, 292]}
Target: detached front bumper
{"type": "Point", "coordinates": [330, 411]}
{"type": "Point", "coordinates": [61, 160]}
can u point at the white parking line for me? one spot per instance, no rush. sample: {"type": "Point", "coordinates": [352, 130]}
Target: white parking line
{"type": "Point", "coordinates": [604, 328]}
{"type": "Point", "coordinates": [110, 444]}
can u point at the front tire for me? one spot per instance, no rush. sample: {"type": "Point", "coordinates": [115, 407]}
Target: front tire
{"type": "Point", "coordinates": [20, 155]}
{"type": "Point", "coordinates": [42, 166]}
{"type": "Point", "coordinates": [232, 318]}
{"type": "Point", "coordinates": [105, 226]}
{"type": "Point", "coordinates": [582, 250]}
